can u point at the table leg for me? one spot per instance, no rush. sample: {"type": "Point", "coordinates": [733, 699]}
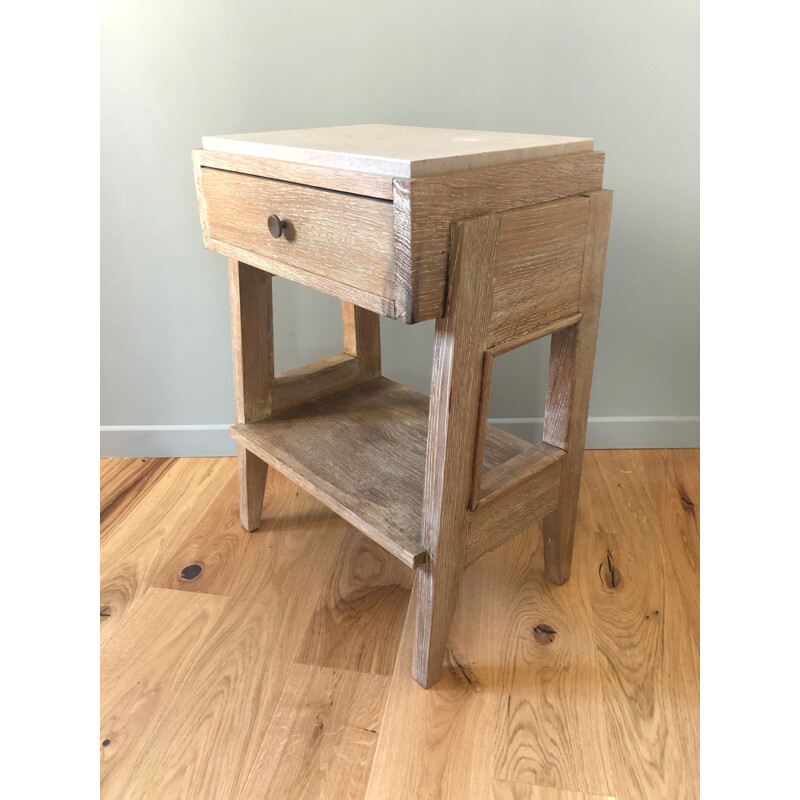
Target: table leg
{"type": "Point", "coordinates": [452, 431]}
{"type": "Point", "coordinates": [253, 373]}
{"type": "Point", "coordinates": [569, 383]}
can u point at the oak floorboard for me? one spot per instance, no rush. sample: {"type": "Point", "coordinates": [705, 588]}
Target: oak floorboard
{"type": "Point", "coordinates": [585, 691]}
{"type": "Point", "coordinates": [520, 697]}
{"type": "Point", "coordinates": [123, 483]}
{"type": "Point", "coordinates": [218, 551]}
{"type": "Point", "coordinates": [142, 666]}
{"type": "Point", "coordinates": [508, 790]}
{"type": "Point", "coordinates": [359, 618]}
{"type": "Point", "coordinates": [436, 743]}
{"type": "Point", "coordinates": [647, 654]}
{"type": "Point", "coordinates": [131, 558]}
{"type": "Point", "coordinates": [207, 741]}
{"type": "Point", "coordinates": [322, 737]}
{"type": "Point", "coordinates": [550, 724]}
{"type": "Point", "coordinates": [674, 480]}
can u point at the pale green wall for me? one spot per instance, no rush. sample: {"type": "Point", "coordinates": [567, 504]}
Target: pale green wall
{"type": "Point", "coordinates": [623, 72]}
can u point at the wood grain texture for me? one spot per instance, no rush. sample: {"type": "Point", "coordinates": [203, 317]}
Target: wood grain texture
{"type": "Point", "coordinates": [558, 693]}
{"type": "Point", "coordinates": [151, 531]}
{"type": "Point", "coordinates": [520, 697]}
{"type": "Point", "coordinates": [568, 387]}
{"type": "Point", "coordinates": [340, 180]}
{"type": "Point", "coordinates": [311, 381]}
{"type": "Point", "coordinates": [217, 554]}
{"type": "Point", "coordinates": [123, 483]}
{"type": "Point", "coordinates": [320, 283]}
{"type": "Point", "coordinates": [437, 743]}
{"type": "Point", "coordinates": [322, 738]}
{"type": "Point", "coordinates": [378, 431]}
{"type": "Point", "coordinates": [456, 382]}
{"type": "Point", "coordinates": [250, 291]}
{"type": "Point", "coordinates": [540, 255]}
{"type": "Point", "coordinates": [362, 338]}
{"type": "Point", "coordinates": [550, 725]}
{"type": "Point", "coordinates": [207, 742]}
{"type": "Point", "coordinates": [674, 482]}
{"type": "Point", "coordinates": [252, 482]}
{"type": "Point", "coordinates": [142, 666]}
{"type": "Point", "coordinates": [252, 340]}
{"type": "Point", "coordinates": [650, 673]}
{"type": "Point", "coordinates": [425, 208]}
{"type": "Point", "coordinates": [537, 332]}
{"type": "Point", "coordinates": [359, 618]}
{"type": "Point", "coordinates": [514, 700]}
{"type": "Point", "coordinates": [342, 237]}
{"type": "Point", "coordinates": [509, 790]}
{"type": "Point", "coordinates": [483, 420]}
{"type": "Point", "coordinates": [513, 496]}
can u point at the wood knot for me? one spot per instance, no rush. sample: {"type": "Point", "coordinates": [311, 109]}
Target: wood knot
{"type": "Point", "coordinates": [191, 572]}
{"type": "Point", "coordinates": [463, 675]}
{"type": "Point", "coordinates": [544, 634]}
{"type": "Point", "coordinates": [106, 742]}
{"type": "Point", "coordinates": [609, 572]}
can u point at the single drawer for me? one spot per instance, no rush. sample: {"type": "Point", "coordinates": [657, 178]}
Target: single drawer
{"type": "Point", "coordinates": [331, 241]}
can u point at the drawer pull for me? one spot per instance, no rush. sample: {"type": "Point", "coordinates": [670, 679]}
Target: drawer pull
{"type": "Point", "coordinates": [276, 225]}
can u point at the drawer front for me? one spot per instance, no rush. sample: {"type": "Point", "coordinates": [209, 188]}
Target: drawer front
{"type": "Point", "coordinates": [343, 238]}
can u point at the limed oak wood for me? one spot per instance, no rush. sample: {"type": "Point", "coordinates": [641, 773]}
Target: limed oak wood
{"type": "Point", "coordinates": [310, 381]}
{"type": "Point", "coordinates": [568, 387]}
{"type": "Point", "coordinates": [362, 338]}
{"type": "Point", "coordinates": [538, 269]}
{"type": "Point", "coordinates": [456, 383]}
{"type": "Point", "coordinates": [517, 243]}
{"type": "Point", "coordinates": [250, 291]}
{"type": "Point", "coordinates": [342, 237]}
{"type": "Point", "coordinates": [340, 180]}
{"type": "Point", "coordinates": [378, 431]}
{"type": "Point", "coordinates": [537, 332]}
{"type": "Point", "coordinates": [424, 209]}
{"type": "Point", "coordinates": [523, 489]}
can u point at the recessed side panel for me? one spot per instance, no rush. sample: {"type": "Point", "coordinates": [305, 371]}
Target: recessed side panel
{"type": "Point", "coordinates": [538, 268]}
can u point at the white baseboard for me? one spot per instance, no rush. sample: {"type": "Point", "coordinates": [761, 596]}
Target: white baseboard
{"type": "Point", "coordinates": [152, 441]}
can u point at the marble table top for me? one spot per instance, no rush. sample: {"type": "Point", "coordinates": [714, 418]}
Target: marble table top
{"type": "Point", "coordinates": [400, 151]}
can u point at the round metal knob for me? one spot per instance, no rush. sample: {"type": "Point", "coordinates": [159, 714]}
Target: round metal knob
{"type": "Point", "coordinates": [276, 225]}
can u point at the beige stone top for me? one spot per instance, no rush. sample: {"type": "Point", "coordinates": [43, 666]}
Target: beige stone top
{"type": "Point", "coordinates": [401, 151]}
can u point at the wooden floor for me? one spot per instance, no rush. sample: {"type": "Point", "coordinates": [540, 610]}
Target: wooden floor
{"type": "Point", "coordinates": [276, 664]}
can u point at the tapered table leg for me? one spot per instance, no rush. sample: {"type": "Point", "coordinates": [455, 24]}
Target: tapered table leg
{"type": "Point", "coordinates": [253, 372]}
{"type": "Point", "coordinates": [452, 426]}
{"type": "Point", "coordinates": [569, 384]}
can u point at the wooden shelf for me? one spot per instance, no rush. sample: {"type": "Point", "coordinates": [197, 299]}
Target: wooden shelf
{"type": "Point", "coordinates": [361, 452]}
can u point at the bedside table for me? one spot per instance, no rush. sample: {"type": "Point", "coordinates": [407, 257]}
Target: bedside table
{"type": "Point", "coordinates": [500, 237]}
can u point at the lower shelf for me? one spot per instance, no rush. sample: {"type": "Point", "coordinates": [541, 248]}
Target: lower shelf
{"type": "Point", "coordinates": [361, 452]}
